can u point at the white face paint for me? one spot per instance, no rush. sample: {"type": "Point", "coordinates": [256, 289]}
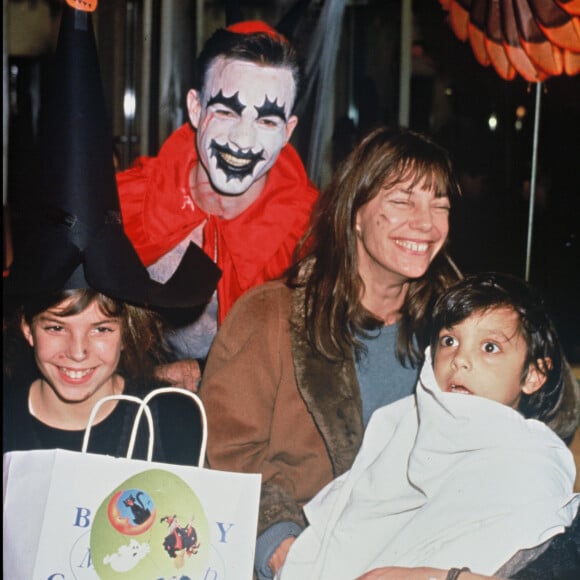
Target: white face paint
{"type": "Point", "coordinates": [243, 122]}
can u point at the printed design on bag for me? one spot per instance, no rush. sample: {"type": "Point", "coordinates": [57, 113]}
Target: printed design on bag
{"type": "Point", "coordinates": [135, 503]}
{"type": "Point", "coordinates": [180, 537]}
{"type": "Point", "coordinates": [152, 525]}
{"type": "Point", "coordinates": [127, 556]}
{"type": "Point", "coordinates": [80, 562]}
{"type": "Point", "coordinates": [131, 511]}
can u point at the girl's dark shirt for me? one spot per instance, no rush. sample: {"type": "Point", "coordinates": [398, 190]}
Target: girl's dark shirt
{"type": "Point", "coordinates": [176, 421]}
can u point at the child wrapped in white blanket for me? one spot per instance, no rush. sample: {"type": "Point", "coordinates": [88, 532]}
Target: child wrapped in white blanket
{"type": "Point", "coordinates": [443, 479]}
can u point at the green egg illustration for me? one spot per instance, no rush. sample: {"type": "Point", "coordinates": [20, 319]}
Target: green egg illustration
{"type": "Point", "coordinates": [151, 526]}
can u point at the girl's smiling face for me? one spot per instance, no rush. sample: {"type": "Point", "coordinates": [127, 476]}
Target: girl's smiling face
{"type": "Point", "coordinates": [77, 355]}
{"type": "Point", "coordinates": [484, 355]}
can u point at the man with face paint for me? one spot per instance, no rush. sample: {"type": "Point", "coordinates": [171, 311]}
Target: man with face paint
{"type": "Point", "coordinates": [230, 182]}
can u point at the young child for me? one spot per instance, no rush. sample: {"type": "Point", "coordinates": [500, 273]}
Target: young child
{"type": "Point", "coordinates": [517, 335]}
{"type": "Point", "coordinates": [65, 351]}
{"type": "Point", "coordinates": [448, 477]}
{"type": "Point", "coordinates": [78, 299]}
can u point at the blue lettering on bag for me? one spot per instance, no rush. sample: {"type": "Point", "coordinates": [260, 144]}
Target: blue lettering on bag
{"type": "Point", "coordinates": [82, 520]}
{"type": "Point", "coordinates": [223, 531]}
{"type": "Point", "coordinates": [86, 562]}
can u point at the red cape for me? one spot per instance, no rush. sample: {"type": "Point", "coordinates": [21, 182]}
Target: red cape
{"type": "Point", "coordinates": [158, 213]}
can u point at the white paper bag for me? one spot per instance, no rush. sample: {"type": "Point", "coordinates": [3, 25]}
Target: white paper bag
{"type": "Point", "coordinates": [85, 516]}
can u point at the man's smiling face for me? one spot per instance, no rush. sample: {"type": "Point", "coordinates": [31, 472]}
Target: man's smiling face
{"type": "Point", "coordinates": [243, 119]}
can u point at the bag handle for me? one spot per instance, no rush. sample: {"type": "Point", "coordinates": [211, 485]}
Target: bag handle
{"type": "Point", "coordinates": [122, 397]}
{"type": "Point", "coordinates": [145, 407]}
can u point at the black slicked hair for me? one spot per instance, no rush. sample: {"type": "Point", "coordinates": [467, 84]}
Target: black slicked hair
{"type": "Point", "coordinates": [259, 48]}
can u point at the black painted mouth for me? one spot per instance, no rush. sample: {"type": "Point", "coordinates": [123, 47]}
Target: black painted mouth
{"type": "Point", "coordinates": [235, 165]}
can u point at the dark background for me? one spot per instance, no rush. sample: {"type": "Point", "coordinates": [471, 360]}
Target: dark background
{"type": "Point", "coordinates": [452, 98]}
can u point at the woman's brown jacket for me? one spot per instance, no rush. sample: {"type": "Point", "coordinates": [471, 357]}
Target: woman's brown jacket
{"type": "Point", "coordinates": [275, 407]}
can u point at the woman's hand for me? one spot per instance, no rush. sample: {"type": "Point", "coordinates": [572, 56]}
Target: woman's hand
{"type": "Point", "coordinates": [279, 556]}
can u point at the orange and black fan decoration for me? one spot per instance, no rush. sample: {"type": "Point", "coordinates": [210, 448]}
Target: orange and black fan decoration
{"type": "Point", "coordinates": [533, 38]}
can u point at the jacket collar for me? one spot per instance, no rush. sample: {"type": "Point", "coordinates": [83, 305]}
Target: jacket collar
{"type": "Point", "coordinates": [330, 390]}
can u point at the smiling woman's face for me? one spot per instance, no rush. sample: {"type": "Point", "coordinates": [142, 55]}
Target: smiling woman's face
{"type": "Point", "coordinates": [399, 233]}
{"type": "Point", "coordinates": [243, 119]}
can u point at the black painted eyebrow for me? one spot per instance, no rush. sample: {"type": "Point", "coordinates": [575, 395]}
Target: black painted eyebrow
{"type": "Point", "coordinates": [271, 109]}
{"type": "Point", "coordinates": [232, 102]}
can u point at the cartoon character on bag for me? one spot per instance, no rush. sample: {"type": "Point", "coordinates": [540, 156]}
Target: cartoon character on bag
{"type": "Point", "coordinates": [177, 533]}
{"type": "Point", "coordinates": [180, 537]}
{"type": "Point", "coordinates": [140, 513]}
{"type": "Point", "coordinates": [127, 556]}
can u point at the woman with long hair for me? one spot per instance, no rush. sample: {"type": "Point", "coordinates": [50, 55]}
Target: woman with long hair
{"type": "Point", "coordinates": [300, 364]}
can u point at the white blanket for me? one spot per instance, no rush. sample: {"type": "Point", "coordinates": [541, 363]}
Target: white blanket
{"type": "Point", "coordinates": [443, 480]}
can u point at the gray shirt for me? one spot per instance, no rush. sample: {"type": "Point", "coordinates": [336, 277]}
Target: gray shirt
{"type": "Point", "coordinates": [381, 376]}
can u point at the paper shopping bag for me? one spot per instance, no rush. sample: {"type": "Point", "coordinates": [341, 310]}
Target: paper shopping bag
{"type": "Point", "coordinates": [85, 516]}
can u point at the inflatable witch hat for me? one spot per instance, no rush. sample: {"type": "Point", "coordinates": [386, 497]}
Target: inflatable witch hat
{"type": "Point", "coordinates": [80, 242]}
